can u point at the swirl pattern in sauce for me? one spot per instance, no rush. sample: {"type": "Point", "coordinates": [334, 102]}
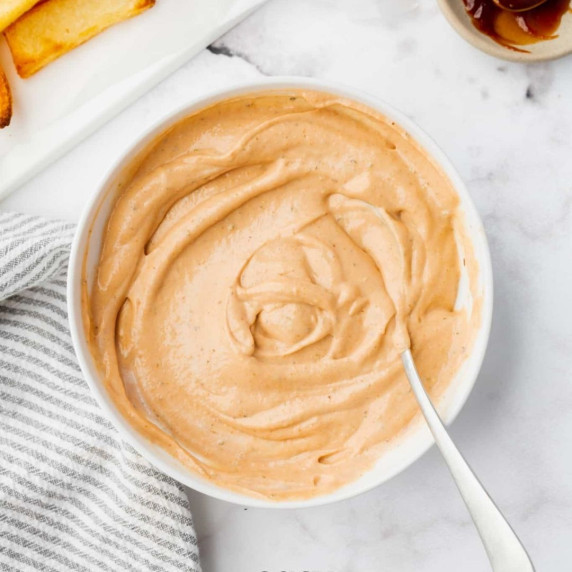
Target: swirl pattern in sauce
{"type": "Point", "coordinates": [260, 274]}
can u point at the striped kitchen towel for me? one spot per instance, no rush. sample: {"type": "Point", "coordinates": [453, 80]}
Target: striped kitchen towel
{"type": "Point", "coordinates": [73, 495]}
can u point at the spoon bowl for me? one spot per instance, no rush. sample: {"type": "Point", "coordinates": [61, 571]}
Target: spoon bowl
{"type": "Point", "coordinates": [519, 5]}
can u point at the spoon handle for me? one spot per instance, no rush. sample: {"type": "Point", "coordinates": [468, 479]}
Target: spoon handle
{"type": "Point", "coordinates": [504, 549]}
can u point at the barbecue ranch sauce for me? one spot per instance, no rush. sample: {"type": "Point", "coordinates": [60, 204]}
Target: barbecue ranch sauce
{"type": "Point", "coordinates": [259, 276]}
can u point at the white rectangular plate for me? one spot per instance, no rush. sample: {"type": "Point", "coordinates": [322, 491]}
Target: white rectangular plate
{"type": "Point", "coordinates": [70, 98]}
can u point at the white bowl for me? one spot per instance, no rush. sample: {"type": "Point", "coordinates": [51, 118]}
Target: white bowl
{"type": "Point", "coordinates": [407, 447]}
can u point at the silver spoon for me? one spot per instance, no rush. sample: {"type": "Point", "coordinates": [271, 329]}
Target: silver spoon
{"type": "Point", "coordinates": [504, 549]}
{"type": "Point", "coordinates": [518, 5]}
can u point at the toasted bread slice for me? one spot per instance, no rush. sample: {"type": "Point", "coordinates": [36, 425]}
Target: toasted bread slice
{"type": "Point", "coordinates": [5, 101]}
{"type": "Point", "coordinates": [11, 10]}
{"type": "Point", "coordinates": [53, 28]}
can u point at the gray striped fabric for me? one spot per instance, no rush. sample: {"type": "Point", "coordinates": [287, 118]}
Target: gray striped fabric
{"type": "Point", "coordinates": [73, 495]}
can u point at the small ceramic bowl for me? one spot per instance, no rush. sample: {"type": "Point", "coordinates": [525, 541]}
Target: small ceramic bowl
{"type": "Point", "coordinates": [454, 11]}
{"type": "Point", "coordinates": [87, 244]}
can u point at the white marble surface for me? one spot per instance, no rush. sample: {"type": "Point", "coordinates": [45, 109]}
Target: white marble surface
{"type": "Point", "coordinates": [514, 151]}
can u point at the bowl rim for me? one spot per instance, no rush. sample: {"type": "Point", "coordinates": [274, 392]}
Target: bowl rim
{"type": "Point", "coordinates": [487, 45]}
{"type": "Point", "coordinates": [81, 242]}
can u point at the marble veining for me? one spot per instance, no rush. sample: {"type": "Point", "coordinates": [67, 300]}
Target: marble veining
{"type": "Point", "coordinates": [507, 128]}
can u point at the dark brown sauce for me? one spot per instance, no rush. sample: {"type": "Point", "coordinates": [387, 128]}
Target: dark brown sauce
{"type": "Point", "coordinates": [512, 29]}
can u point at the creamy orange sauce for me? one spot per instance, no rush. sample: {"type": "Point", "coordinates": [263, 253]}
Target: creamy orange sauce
{"type": "Point", "coordinates": [261, 273]}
